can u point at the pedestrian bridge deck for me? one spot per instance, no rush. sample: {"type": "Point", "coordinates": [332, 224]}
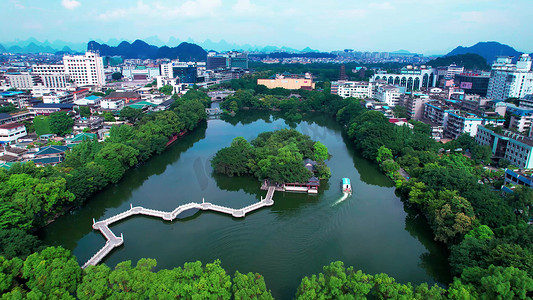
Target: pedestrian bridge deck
{"type": "Point", "coordinates": [115, 241]}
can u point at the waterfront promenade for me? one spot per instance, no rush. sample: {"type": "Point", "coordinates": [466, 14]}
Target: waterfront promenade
{"type": "Point", "coordinates": [113, 241]}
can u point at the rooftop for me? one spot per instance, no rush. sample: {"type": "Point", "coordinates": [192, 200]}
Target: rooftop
{"type": "Point", "coordinates": [122, 95]}
{"type": "Point", "coordinates": [92, 98]}
{"type": "Point", "coordinates": [50, 150]}
{"type": "Point", "coordinates": [11, 126]}
{"type": "Point", "coordinates": [54, 105]}
{"type": "Point", "coordinates": [84, 136]}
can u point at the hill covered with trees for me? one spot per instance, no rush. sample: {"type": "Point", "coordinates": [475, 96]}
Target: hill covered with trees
{"type": "Point", "coordinates": [489, 50]}
{"type": "Point", "coordinates": [140, 49]}
{"type": "Point", "coordinates": [470, 61]}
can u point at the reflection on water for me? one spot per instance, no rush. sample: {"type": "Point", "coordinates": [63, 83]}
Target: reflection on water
{"type": "Point", "coordinates": [295, 237]}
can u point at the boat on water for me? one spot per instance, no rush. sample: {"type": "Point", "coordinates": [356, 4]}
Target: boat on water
{"type": "Point", "coordinates": [346, 185]}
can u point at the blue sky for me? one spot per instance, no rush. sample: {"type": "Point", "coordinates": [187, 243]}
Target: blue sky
{"type": "Point", "coordinates": [423, 26]}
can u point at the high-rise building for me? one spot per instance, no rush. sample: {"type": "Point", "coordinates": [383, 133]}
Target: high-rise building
{"type": "Point", "coordinates": [85, 69]}
{"type": "Point", "coordinates": [216, 61]}
{"type": "Point", "coordinates": [52, 76]}
{"type": "Point", "coordinates": [238, 60]}
{"type": "Point", "coordinates": [508, 80]}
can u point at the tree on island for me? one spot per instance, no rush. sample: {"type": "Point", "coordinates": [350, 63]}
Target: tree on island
{"type": "Point", "coordinates": [277, 156]}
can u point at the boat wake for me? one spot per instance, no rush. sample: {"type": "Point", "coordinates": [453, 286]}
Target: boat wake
{"type": "Point", "coordinates": [344, 197]}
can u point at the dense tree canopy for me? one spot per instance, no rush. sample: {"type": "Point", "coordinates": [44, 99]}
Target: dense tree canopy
{"type": "Point", "coordinates": [277, 156]}
{"type": "Point", "coordinates": [61, 123]}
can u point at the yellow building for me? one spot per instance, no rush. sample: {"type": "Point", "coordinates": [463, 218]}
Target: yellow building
{"type": "Point", "coordinates": [289, 81]}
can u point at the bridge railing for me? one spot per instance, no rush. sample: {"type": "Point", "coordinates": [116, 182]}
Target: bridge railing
{"type": "Point", "coordinates": [110, 236]}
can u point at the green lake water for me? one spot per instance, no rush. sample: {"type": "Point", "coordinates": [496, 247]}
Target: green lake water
{"type": "Point", "coordinates": [285, 242]}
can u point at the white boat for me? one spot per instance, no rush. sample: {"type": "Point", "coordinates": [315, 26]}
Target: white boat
{"type": "Point", "coordinates": [346, 186]}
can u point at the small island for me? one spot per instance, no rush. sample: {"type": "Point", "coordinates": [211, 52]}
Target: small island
{"type": "Point", "coordinates": [285, 158]}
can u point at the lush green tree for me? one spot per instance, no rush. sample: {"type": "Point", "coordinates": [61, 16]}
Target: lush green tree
{"type": "Point", "coordinates": [321, 151]}
{"type": "Point", "coordinates": [61, 123]}
{"type": "Point", "coordinates": [384, 154]}
{"type": "Point", "coordinates": [53, 271]}
{"type": "Point", "coordinates": [108, 117]}
{"type": "Point", "coordinates": [8, 108]}
{"type": "Point", "coordinates": [18, 243]}
{"type": "Point", "coordinates": [337, 282]}
{"type": "Point", "coordinates": [85, 111]}
{"type": "Point", "coordinates": [10, 270]}
{"type": "Point", "coordinates": [131, 114]}
{"type": "Point", "coordinates": [400, 111]}
{"type": "Point", "coordinates": [250, 286]}
{"type": "Point", "coordinates": [482, 154]}
{"type": "Point", "coordinates": [95, 283]}
{"type": "Point", "coordinates": [499, 282]}
{"type": "Point", "coordinates": [116, 76]}
{"type": "Point", "coordinates": [167, 89]}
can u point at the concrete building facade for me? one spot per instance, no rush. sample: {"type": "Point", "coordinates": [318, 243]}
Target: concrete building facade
{"type": "Point", "coordinates": [355, 89]}
{"type": "Point", "coordinates": [388, 94]}
{"type": "Point", "coordinates": [85, 69]}
{"type": "Point", "coordinates": [508, 80]}
{"type": "Point", "coordinates": [289, 81]}
{"type": "Point", "coordinates": [514, 147]}
{"type": "Point", "coordinates": [413, 78]}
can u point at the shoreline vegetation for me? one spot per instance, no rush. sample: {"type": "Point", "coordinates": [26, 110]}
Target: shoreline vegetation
{"type": "Point", "coordinates": [486, 232]}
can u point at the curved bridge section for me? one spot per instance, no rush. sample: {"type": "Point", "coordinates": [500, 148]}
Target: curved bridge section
{"type": "Point", "coordinates": [114, 241]}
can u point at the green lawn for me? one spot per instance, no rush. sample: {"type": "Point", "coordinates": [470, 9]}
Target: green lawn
{"type": "Point", "coordinates": [42, 126]}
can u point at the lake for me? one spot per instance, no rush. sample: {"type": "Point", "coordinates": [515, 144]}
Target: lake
{"type": "Point", "coordinates": [294, 238]}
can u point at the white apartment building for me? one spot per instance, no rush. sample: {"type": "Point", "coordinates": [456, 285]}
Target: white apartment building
{"type": "Point", "coordinates": [388, 94]}
{"type": "Point", "coordinates": [85, 69]}
{"type": "Point", "coordinates": [355, 89]}
{"type": "Point", "coordinates": [22, 80]}
{"type": "Point", "coordinates": [58, 97]}
{"type": "Point", "coordinates": [460, 122]}
{"type": "Point", "coordinates": [11, 132]}
{"type": "Point", "coordinates": [512, 146]}
{"type": "Point", "coordinates": [112, 104]}
{"type": "Point", "coordinates": [508, 80]}
{"type": "Point", "coordinates": [521, 119]}
{"type": "Point", "coordinates": [53, 77]}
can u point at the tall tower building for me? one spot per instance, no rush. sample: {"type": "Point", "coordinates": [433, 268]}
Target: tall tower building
{"type": "Point", "coordinates": [508, 80]}
{"type": "Point", "coordinates": [342, 73]}
{"type": "Point", "coordinates": [85, 69]}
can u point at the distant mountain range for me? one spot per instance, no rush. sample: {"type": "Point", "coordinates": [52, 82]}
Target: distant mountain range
{"type": "Point", "coordinates": [489, 51]}
{"type": "Point", "coordinates": [140, 49]}
{"type": "Point", "coordinates": [32, 45]}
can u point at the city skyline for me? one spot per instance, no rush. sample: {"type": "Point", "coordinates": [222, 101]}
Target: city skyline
{"type": "Point", "coordinates": [366, 26]}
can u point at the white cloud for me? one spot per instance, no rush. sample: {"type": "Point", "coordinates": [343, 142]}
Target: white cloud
{"type": "Point", "coordinates": [17, 4]}
{"type": "Point", "coordinates": [245, 7]}
{"type": "Point", "coordinates": [190, 8]}
{"type": "Point", "coordinates": [382, 5]}
{"type": "Point", "coordinates": [70, 4]}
